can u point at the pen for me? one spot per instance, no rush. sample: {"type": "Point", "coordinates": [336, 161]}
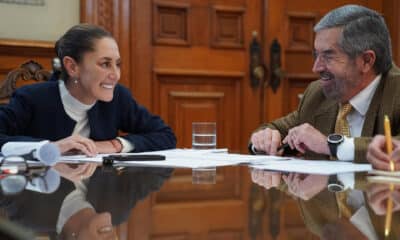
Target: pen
{"type": "Point", "coordinates": [389, 148]}
{"type": "Point", "coordinates": [388, 137]}
{"type": "Point", "coordinates": [283, 146]}
{"type": "Point", "coordinates": [287, 150]}
{"type": "Point", "coordinates": [138, 157]}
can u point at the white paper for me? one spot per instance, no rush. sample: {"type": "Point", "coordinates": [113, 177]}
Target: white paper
{"type": "Point", "coordinates": [314, 166]}
{"type": "Point", "coordinates": [183, 158]}
{"type": "Point", "coordinates": [189, 158]}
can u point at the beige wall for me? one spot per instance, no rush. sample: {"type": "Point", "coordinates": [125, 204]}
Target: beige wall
{"type": "Point", "coordinates": [46, 23]}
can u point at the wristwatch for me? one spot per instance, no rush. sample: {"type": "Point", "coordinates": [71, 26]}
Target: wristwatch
{"type": "Point", "coordinates": [334, 184]}
{"type": "Point", "coordinates": [333, 142]}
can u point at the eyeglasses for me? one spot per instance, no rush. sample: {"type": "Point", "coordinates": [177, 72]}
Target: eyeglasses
{"type": "Point", "coordinates": [15, 173]}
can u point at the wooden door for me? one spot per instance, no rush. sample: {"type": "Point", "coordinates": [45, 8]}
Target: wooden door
{"type": "Point", "coordinates": [192, 64]}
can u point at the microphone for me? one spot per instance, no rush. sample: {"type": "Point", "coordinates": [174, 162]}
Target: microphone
{"type": "Point", "coordinates": [48, 183]}
{"type": "Point", "coordinates": [43, 180]}
{"type": "Point", "coordinates": [44, 151]}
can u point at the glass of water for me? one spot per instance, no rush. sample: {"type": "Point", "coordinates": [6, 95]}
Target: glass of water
{"type": "Point", "coordinates": [204, 136]}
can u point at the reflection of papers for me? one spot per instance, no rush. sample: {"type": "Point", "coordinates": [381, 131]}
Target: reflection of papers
{"type": "Point", "coordinates": [385, 173]}
{"type": "Point", "coordinates": [182, 158]}
{"type": "Point", "coordinates": [314, 167]}
{"type": "Point", "coordinates": [384, 179]}
{"type": "Point", "coordinates": [387, 177]}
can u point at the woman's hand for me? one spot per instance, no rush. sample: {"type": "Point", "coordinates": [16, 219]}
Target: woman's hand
{"type": "Point", "coordinates": [76, 172]}
{"type": "Point", "coordinates": [77, 143]}
{"type": "Point", "coordinates": [109, 146]}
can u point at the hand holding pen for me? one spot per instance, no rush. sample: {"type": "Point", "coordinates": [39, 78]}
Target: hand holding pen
{"type": "Point", "coordinates": [379, 158]}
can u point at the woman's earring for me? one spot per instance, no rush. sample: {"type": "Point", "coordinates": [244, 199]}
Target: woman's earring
{"type": "Point", "coordinates": [76, 81]}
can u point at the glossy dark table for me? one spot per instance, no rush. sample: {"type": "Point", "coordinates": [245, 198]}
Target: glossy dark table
{"type": "Point", "coordinates": [163, 203]}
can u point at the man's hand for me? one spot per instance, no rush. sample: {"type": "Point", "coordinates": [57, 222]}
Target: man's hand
{"type": "Point", "coordinates": [378, 157]}
{"type": "Point", "coordinates": [265, 178]}
{"type": "Point", "coordinates": [266, 140]}
{"type": "Point", "coordinates": [378, 194]}
{"type": "Point", "coordinates": [306, 138]}
{"type": "Point", "coordinates": [305, 186]}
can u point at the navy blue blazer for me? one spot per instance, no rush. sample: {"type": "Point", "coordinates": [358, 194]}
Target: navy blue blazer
{"type": "Point", "coordinates": [35, 112]}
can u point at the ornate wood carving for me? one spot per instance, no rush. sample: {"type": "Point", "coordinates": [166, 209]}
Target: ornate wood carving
{"type": "Point", "coordinates": [171, 23]}
{"type": "Point", "coordinates": [301, 34]}
{"type": "Point", "coordinates": [28, 72]}
{"type": "Point", "coordinates": [105, 14]}
{"type": "Point", "coordinates": [227, 27]}
{"type": "Point", "coordinates": [100, 12]}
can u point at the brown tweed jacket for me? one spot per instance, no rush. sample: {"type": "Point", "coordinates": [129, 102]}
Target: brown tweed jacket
{"type": "Point", "coordinates": [322, 210]}
{"type": "Point", "coordinates": [321, 113]}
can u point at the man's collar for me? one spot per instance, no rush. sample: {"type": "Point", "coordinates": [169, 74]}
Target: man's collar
{"type": "Point", "coordinates": [362, 100]}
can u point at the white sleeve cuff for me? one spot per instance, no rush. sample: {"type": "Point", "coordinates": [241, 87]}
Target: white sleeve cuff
{"type": "Point", "coordinates": [345, 151]}
{"type": "Point", "coordinates": [348, 179]}
{"type": "Point", "coordinates": [126, 145]}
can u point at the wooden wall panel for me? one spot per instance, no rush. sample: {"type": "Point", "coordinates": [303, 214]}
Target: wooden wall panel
{"type": "Point", "coordinates": [296, 84]}
{"type": "Point", "coordinates": [171, 237]}
{"type": "Point", "coordinates": [183, 97]}
{"type": "Point", "coordinates": [227, 27]}
{"type": "Point", "coordinates": [300, 32]}
{"type": "Point", "coordinates": [171, 23]}
{"type": "Point", "coordinates": [223, 235]}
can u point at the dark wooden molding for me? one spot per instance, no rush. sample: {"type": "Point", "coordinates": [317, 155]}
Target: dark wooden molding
{"type": "Point", "coordinates": [15, 47]}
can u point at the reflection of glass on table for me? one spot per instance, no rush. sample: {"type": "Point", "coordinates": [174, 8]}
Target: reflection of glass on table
{"type": "Point", "coordinates": [204, 136]}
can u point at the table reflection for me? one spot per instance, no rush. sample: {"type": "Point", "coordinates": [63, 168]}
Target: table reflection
{"type": "Point", "coordinates": [93, 207]}
{"type": "Point", "coordinates": [87, 209]}
{"type": "Point", "coordinates": [323, 211]}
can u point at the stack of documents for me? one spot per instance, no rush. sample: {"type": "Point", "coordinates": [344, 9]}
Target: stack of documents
{"type": "Point", "coordinates": [189, 158]}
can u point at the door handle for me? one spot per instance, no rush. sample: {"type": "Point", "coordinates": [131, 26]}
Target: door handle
{"type": "Point", "coordinates": [257, 68]}
{"type": "Point", "coordinates": [277, 73]}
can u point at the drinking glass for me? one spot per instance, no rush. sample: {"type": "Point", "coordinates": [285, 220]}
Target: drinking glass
{"type": "Point", "coordinates": [204, 136]}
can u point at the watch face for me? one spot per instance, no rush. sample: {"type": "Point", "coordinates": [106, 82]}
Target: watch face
{"type": "Point", "coordinates": [335, 138]}
{"type": "Point", "coordinates": [335, 187]}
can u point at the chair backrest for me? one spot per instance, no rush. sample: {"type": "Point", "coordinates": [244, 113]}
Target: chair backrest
{"type": "Point", "coordinates": [28, 73]}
